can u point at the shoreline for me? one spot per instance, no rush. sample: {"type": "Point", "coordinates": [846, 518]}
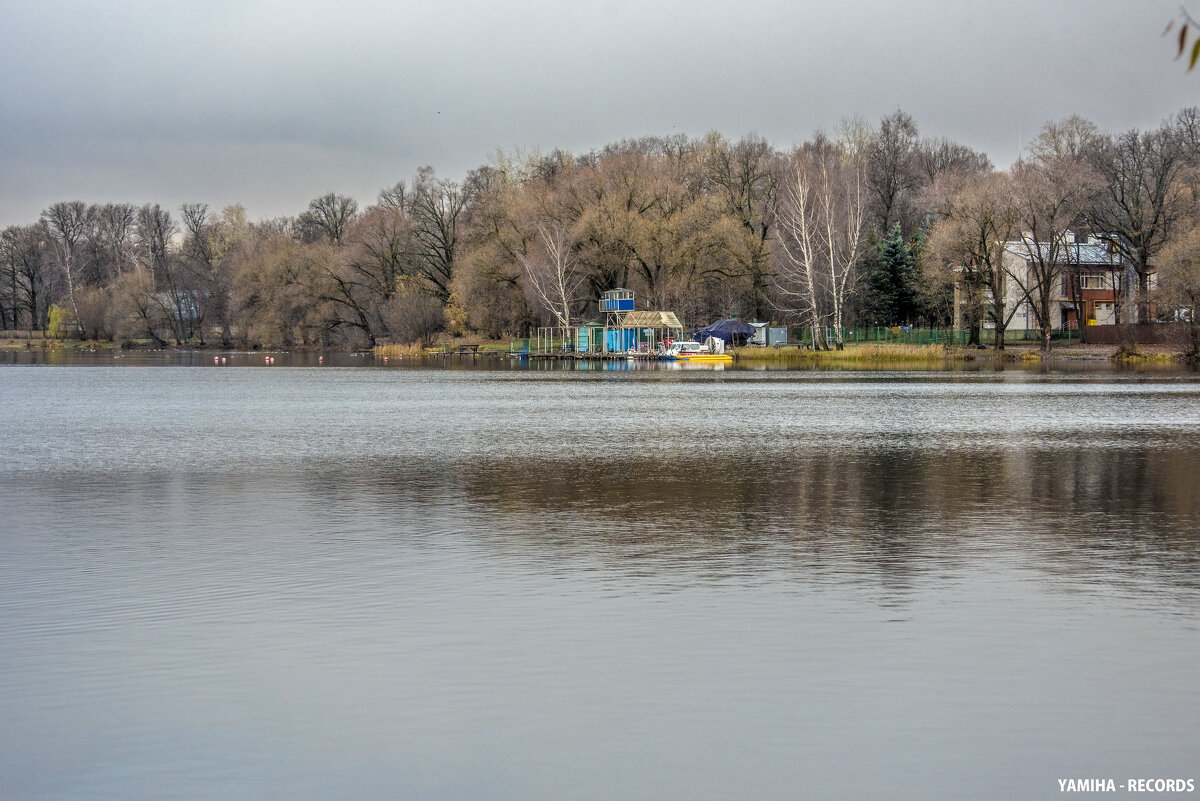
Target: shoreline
{"type": "Point", "coordinates": [865, 355]}
{"type": "Point", "coordinates": [1012, 355]}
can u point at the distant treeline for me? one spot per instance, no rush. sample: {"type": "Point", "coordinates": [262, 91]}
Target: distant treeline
{"type": "Point", "coordinates": [862, 225]}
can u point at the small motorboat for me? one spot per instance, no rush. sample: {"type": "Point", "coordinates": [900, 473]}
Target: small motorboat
{"type": "Point", "coordinates": [689, 350]}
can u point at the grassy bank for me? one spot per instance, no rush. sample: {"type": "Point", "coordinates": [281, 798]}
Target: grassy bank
{"type": "Point", "coordinates": [881, 355]}
{"type": "Point", "coordinates": [395, 351]}
{"type": "Point", "coordinates": [25, 343]}
{"type": "Point", "coordinates": [1123, 356]}
{"type": "Point", "coordinates": [860, 354]}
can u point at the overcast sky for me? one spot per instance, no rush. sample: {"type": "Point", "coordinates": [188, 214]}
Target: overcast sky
{"type": "Point", "coordinates": [271, 104]}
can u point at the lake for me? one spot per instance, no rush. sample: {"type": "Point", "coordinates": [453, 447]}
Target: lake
{"type": "Point", "coordinates": [356, 581]}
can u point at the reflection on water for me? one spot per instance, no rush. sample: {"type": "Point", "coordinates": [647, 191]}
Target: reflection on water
{"type": "Point", "coordinates": [505, 584]}
{"type": "Point", "coordinates": [1068, 364]}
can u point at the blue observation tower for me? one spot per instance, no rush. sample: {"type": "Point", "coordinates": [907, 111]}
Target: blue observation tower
{"type": "Point", "coordinates": [615, 304]}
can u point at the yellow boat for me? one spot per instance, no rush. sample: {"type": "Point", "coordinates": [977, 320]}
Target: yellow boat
{"type": "Point", "coordinates": [705, 357]}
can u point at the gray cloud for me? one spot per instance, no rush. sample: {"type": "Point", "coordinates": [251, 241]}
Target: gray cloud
{"type": "Point", "coordinates": [271, 103]}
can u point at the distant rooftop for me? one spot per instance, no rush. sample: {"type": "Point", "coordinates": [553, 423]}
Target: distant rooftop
{"type": "Point", "coordinates": [650, 319]}
{"type": "Point", "coordinates": [1093, 252]}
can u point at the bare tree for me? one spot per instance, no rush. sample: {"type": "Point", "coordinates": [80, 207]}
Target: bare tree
{"type": "Point", "coordinates": [377, 254]}
{"type": "Point", "coordinates": [843, 207]}
{"type": "Point", "coordinates": [1051, 195]}
{"type": "Point", "coordinates": [822, 218]}
{"type": "Point", "coordinates": [937, 157]}
{"type": "Point", "coordinates": [1072, 139]}
{"type": "Point", "coordinates": [136, 312]}
{"type": "Point", "coordinates": [488, 291]}
{"type": "Point", "coordinates": [397, 196]}
{"type": "Point", "coordinates": [745, 176]}
{"type": "Point", "coordinates": [71, 226]}
{"type": "Point", "coordinates": [328, 218]}
{"type": "Point", "coordinates": [1179, 276]}
{"type": "Point", "coordinates": [892, 172]}
{"type": "Point", "coordinates": [1186, 125]}
{"type": "Point", "coordinates": [977, 220]}
{"type": "Point", "coordinates": [435, 207]}
{"type": "Point", "coordinates": [799, 249]}
{"type": "Point", "coordinates": [645, 220]}
{"type": "Point", "coordinates": [412, 314]}
{"type": "Point", "coordinates": [208, 244]}
{"type": "Point", "coordinates": [26, 261]}
{"type": "Point", "coordinates": [1143, 199]}
{"type": "Point", "coordinates": [115, 237]}
{"type": "Point", "coordinates": [9, 296]}
{"type": "Point", "coordinates": [155, 231]}
{"type": "Point", "coordinates": [551, 273]}
{"type": "Point", "coordinates": [281, 288]}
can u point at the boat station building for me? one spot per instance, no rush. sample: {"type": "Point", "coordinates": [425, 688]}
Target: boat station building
{"type": "Point", "coordinates": [626, 329]}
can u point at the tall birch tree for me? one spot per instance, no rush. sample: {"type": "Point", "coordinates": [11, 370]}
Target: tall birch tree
{"type": "Point", "coordinates": [551, 273]}
{"type": "Point", "coordinates": [822, 218]}
{"type": "Point", "coordinates": [71, 225]}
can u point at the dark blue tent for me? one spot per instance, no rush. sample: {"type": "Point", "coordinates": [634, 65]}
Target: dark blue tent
{"type": "Point", "coordinates": [734, 332]}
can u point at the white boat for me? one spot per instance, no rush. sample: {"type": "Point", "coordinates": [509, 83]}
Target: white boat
{"type": "Point", "coordinates": [689, 350]}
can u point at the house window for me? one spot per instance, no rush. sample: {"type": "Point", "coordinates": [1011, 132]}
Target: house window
{"type": "Point", "coordinates": [1093, 282]}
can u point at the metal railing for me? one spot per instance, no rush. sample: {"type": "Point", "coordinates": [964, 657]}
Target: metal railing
{"type": "Point", "coordinates": [912, 335]}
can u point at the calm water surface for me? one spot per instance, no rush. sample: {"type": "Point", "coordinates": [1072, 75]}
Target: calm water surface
{"type": "Point", "coordinates": [304, 583]}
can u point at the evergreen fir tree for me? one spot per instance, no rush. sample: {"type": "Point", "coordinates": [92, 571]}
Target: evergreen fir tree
{"type": "Point", "coordinates": [891, 291]}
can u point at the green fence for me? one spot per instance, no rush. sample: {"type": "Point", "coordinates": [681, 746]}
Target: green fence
{"type": "Point", "coordinates": [905, 335]}
{"type": "Point", "coordinates": [542, 344]}
{"type": "Point", "coordinates": [891, 335]}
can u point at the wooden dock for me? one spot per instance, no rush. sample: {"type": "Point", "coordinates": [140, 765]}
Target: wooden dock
{"type": "Point", "coordinates": [474, 352]}
{"type": "Point", "coordinates": [588, 357]}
